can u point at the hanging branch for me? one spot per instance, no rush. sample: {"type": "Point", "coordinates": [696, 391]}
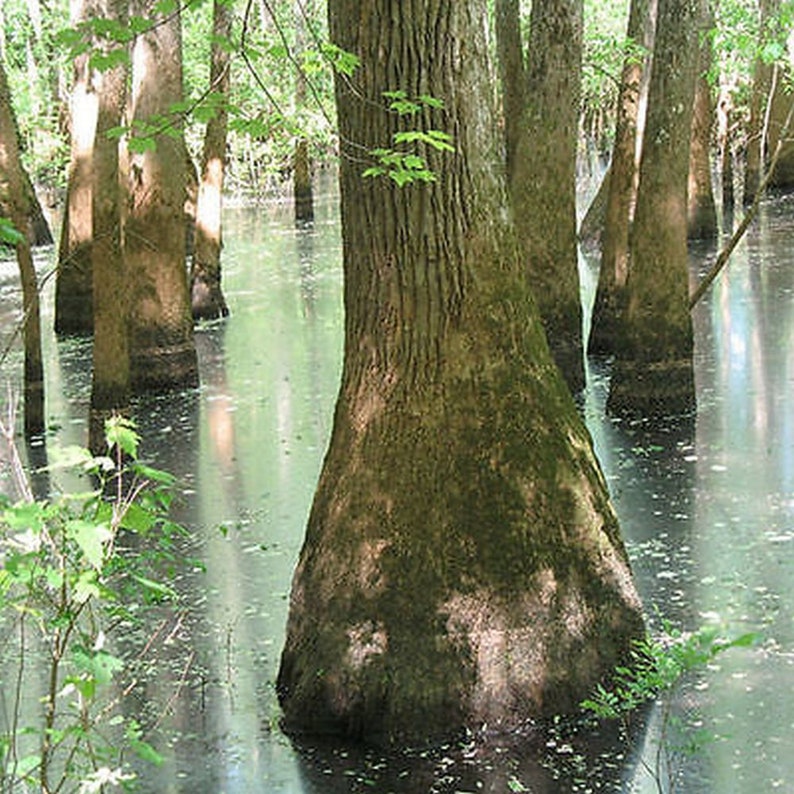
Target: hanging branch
{"type": "Point", "coordinates": [726, 252]}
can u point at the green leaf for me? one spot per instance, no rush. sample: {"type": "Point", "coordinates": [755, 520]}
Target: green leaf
{"type": "Point", "coordinates": [9, 233]}
{"type": "Point", "coordinates": [160, 591]}
{"type": "Point", "coordinates": [119, 430]}
{"type": "Point", "coordinates": [91, 539]}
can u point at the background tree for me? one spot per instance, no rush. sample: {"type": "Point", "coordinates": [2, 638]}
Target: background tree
{"type": "Point", "coordinates": [702, 211]}
{"type": "Point", "coordinates": [73, 290]}
{"type": "Point", "coordinates": [462, 560]}
{"type": "Point", "coordinates": [621, 182]}
{"type": "Point", "coordinates": [162, 350]}
{"type": "Point", "coordinates": [14, 196]}
{"type": "Point", "coordinates": [110, 386]}
{"type": "Point", "coordinates": [302, 161]}
{"type": "Point", "coordinates": [206, 294]}
{"type": "Point", "coordinates": [543, 177]}
{"type": "Point", "coordinates": [653, 372]}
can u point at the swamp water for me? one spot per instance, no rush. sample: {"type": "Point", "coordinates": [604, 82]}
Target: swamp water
{"type": "Point", "coordinates": [707, 512]}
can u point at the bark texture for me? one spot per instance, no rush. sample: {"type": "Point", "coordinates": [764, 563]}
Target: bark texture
{"type": "Point", "coordinates": [462, 564]}
{"type": "Point", "coordinates": [543, 181]}
{"type": "Point", "coordinates": [73, 289]}
{"type": "Point", "coordinates": [621, 185]}
{"type": "Point", "coordinates": [162, 351]}
{"type": "Point", "coordinates": [303, 195]}
{"type": "Point", "coordinates": [512, 75]}
{"type": "Point", "coordinates": [14, 197]}
{"type": "Point", "coordinates": [110, 385]}
{"type": "Point", "coordinates": [653, 373]}
{"type": "Point", "coordinates": [702, 211]}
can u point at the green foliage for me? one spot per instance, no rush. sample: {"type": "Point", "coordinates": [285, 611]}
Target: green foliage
{"type": "Point", "coordinates": [9, 234]}
{"type": "Point", "coordinates": [80, 572]}
{"type": "Point", "coordinates": [657, 669]}
{"type": "Point", "coordinates": [406, 165]}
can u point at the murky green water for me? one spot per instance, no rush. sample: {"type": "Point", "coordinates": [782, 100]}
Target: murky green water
{"type": "Point", "coordinates": [707, 509]}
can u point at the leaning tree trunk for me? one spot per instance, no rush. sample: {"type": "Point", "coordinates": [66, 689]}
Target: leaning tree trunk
{"type": "Point", "coordinates": [14, 197]}
{"type": "Point", "coordinates": [206, 296]}
{"type": "Point", "coordinates": [462, 564]}
{"type": "Point", "coordinates": [73, 296]}
{"type": "Point", "coordinates": [702, 211]}
{"type": "Point", "coordinates": [543, 181]}
{"type": "Point", "coordinates": [110, 386]}
{"type": "Point", "coordinates": [621, 187]}
{"type": "Point", "coordinates": [162, 350]}
{"type": "Point", "coordinates": [653, 374]}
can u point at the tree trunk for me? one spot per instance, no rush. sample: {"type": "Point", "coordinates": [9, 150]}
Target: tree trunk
{"type": "Point", "coordinates": [206, 295]}
{"type": "Point", "coordinates": [73, 297]}
{"type": "Point", "coordinates": [653, 373]}
{"type": "Point", "coordinates": [759, 98]}
{"type": "Point", "coordinates": [621, 192]}
{"type": "Point", "coordinates": [512, 75]}
{"type": "Point", "coordinates": [725, 145]}
{"type": "Point", "coordinates": [14, 197]}
{"type": "Point", "coordinates": [110, 387]}
{"type": "Point", "coordinates": [702, 212]}
{"type": "Point", "coordinates": [783, 175]}
{"type": "Point", "coordinates": [543, 183]}
{"type": "Point", "coordinates": [462, 564]}
{"type": "Point", "coordinates": [301, 163]}
{"type": "Point", "coordinates": [162, 351]}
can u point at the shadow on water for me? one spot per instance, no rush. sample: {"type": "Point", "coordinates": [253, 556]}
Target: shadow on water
{"type": "Point", "coordinates": [706, 506]}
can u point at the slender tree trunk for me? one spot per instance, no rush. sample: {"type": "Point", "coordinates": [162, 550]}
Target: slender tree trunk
{"type": "Point", "coordinates": [206, 294]}
{"type": "Point", "coordinates": [162, 350]}
{"type": "Point", "coordinates": [110, 386]}
{"type": "Point", "coordinates": [702, 212]}
{"type": "Point", "coordinates": [621, 184]}
{"type": "Point", "coordinates": [725, 144]}
{"type": "Point", "coordinates": [543, 182]}
{"type": "Point", "coordinates": [14, 197]}
{"type": "Point", "coordinates": [653, 373]}
{"type": "Point", "coordinates": [301, 163]}
{"type": "Point", "coordinates": [73, 297]}
{"type": "Point", "coordinates": [462, 565]}
{"type": "Point", "coordinates": [757, 143]}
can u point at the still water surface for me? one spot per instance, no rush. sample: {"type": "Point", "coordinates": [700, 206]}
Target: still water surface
{"type": "Point", "coordinates": [707, 508]}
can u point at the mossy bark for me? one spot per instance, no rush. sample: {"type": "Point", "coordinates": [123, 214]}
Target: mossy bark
{"type": "Point", "coordinates": [653, 374]}
{"type": "Point", "coordinates": [162, 350]}
{"type": "Point", "coordinates": [543, 178]}
{"type": "Point", "coordinates": [110, 383]}
{"type": "Point", "coordinates": [621, 189]}
{"type": "Point", "coordinates": [462, 564]}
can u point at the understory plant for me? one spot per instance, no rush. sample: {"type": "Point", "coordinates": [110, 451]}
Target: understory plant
{"type": "Point", "coordinates": [79, 574]}
{"type": "Point", "coordinates": [659, 666]}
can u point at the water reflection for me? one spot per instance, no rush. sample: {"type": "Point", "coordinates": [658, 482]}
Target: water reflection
{"type": "Point", "coordinates": [707, 507]}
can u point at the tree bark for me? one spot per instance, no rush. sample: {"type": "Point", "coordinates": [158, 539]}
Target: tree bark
{"type": "Point", "coordinates": [301, 162]}
{"type": "Point", "coordinates": [621, 185]}
{"type": "Point", "coordinates": [653, 373]}
{"type": "Point", "coordinates": [110, 386]}
{"type": "Point", "coordinates": [512, 75]}
{"type": "Point", "coordinates": [462, 564]}
{"type": "Point", "coordinates": [14, 197]}
{"type": "Point", "coordinates": [543, 182]}
{"type": "Point", "coordinates": [702, 212]}
{"type": "Point", "coordinates": [162, 350]}
{"type": "Point", "coordinates": [73, 296]}
{"type": "Point", "coordinates": [206, 294]}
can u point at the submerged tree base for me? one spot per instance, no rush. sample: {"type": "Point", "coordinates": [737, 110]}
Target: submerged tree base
{"type": "Point", "coordinates": [639, 389]}
{"type": "Point", "coordinates": [164, 367]}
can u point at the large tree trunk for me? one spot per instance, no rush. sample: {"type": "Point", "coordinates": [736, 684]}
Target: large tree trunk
{"type": "Point", "coordinates": [702, 212]}
{"type": "Point", "coordinates": [778, 134]}
{"type": "Point", "coordinates": [110, 387]}
{"type": "Point", "coordinates": [162, 351]}
{"type": "Point", "coordinates": [206, 295]}
{"type": "Point", "coordinates": [14, 197]}
{"type": "Point", "coordinates": [621, 186]}
{"type": "Point", "coordinates": [462, 564]}
{"type": "Point", "coordinates": [543, 181]}
{"type": "Point", "coordinates": [653, 372]}
{"type": "Point", "coordinates": [73, 296]}
{"type": "Point", "coordinates": [512, 75]}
